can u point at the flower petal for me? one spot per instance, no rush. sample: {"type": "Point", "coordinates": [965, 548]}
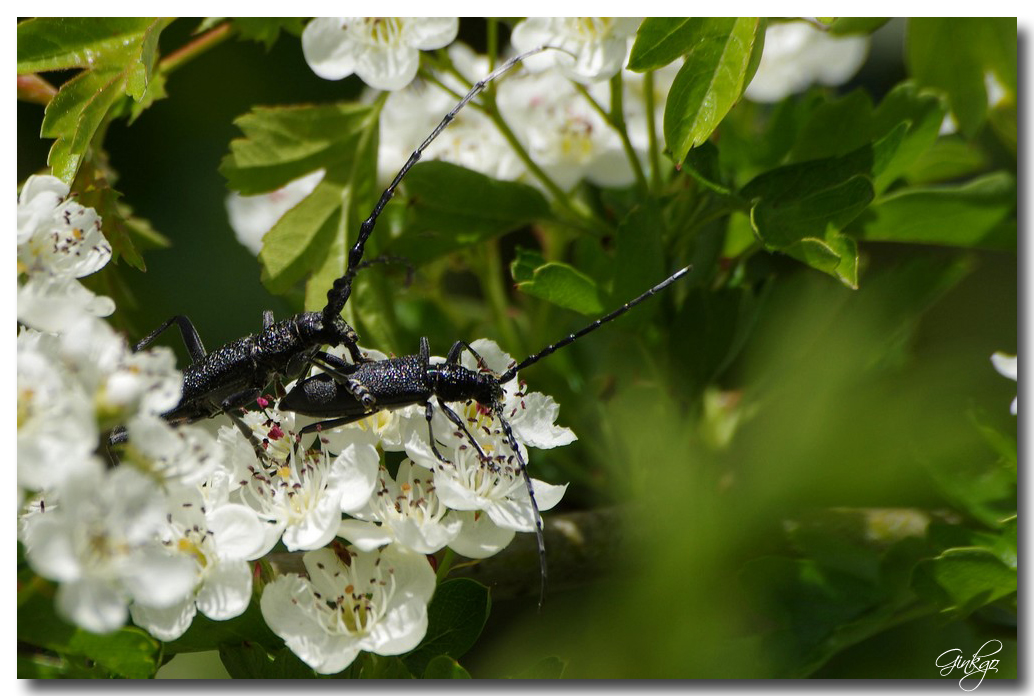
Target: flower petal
{"type": "Point", "coordinates": [429, 33]}
{"type": "Point", "coordinates": [327, 49]}
{"type": "Point", "coordinates": [226, 591]}
{"type": "Point", "coordinates": [167, 623]}
{"type": "Point", "coordinates": [479, 536]}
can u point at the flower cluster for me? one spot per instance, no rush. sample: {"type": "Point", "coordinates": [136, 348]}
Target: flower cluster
{"type": "Point", "coordinates": [134, 517]}
{"type": "Point", "coordinates": [59, 241]}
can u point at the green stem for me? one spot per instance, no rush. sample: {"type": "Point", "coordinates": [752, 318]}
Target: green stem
{"type": "Point", "coordinates": [493, 45]}
{"type": "Point", "coordinates": [195, 48]}
{"type": "Point", "coordinates": [615, 118]}
{"type": "Point", "coordinates": [651, 132]}
{"type": "Point", "coordinates": [445, 565]}
{"type": "Point", "coordinates": [584, 218]}
{"type": "Point", "coordinates": [493, 283]}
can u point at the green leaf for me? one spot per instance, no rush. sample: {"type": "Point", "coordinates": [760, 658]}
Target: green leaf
{"type": "Point", "coordinates": [835, 255]}
{"type": "Point", "coordinates": [951, 54]}
{"type": "Point", "coordinates": [957, 215]}
{"type": "Point", "coordinates": [702, 164]}
{"type": "Point", "coordinates": [74, 115]}
{"type": "Point", "coordinates": [710, 82]}
{"type": "Point", "coordinates": [800, 201]}
{"type": "Point", "coordinates": [455, 618]}
{"type": "Point", "coordinates": [949, 157]}
{"type": "Point", "coordinates": [923, 113]}
{"type": "Point", "coordinates": [127, 652]}
{"type": "Point", "coordinates": [281, 144]}
{"type": "Point", "coordinates": [522, 268]}
{"type": "Point", "coordinates": [964, 579]}
{"type": "Point", "coordinates": [91, 43]}
{"type": "Point", "coordinates": [451, 208]}
{"type": "Point", "coordinates": [996, 43]}
{"type": "Point", "coordinates": [856, 25]}
{"type": "Point", "coordinates": [659, 41]}
{"type": "Point", "coordinates": [84, 102]}
{"type": "Point", "coordinates": [835, 128]}
{"type": "Point", "coordinates": [564, 286]}
{"type": "Point", "coordinates": [639, 255]}
{"type": "Point", "coordinates": [444, 667]}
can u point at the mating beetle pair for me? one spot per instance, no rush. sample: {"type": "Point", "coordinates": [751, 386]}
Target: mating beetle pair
{"type": "Point", "coordinates": [234, 375]}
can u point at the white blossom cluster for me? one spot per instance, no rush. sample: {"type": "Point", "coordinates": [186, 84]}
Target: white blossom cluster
{"type": "Point", "coordinates": [555, 124]}
{"type": "Point", "coordinates": [551, 106]}
{"type": "Point", "coordinates": [168, 523]}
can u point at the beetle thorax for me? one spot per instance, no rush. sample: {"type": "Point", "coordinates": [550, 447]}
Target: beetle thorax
{"type": "Point", "coordinates": [458, 383]}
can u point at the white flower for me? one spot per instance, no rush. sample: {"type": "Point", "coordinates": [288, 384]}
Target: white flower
{"type": "Point", "coordinates": [101, 543]}
{"type": "Point", "coordinates": [531, 415]}
{"type": "Point", "coordinates": [301, 493]}
{"type": "Point", "coordinates": [495, 486]}
{"type": "Point", "coordinates": [383, 51]}
{"type": "Point", "coordinates": [118, 381]}
{"type": "Point", "coordinates": [1006, 366]}
{"type": "Point", "coordinates": [593, 48]}
{"type": "Point", "coordinates": [797, 55]}
{"type": "Point", "coordinates": [183, 454]}
{"type": "Point", "coordinates": [561, 131]}
{"type": "Point", "coordinates": [374, 601]}
{"type": "Point", "coordinates": [252, 216]}
{"type": "Point", "coordinates": [57, 432]}
{"type": "Point", "coordinates": [219, 540]}
{"type": "Point", "coordinates": [58, 242]}
{"type": "Point", "coordinates": [51, 303]}
{"type": "Point", "coordinates": [471, 140]}
{"type": "Point", "coordinates": [408, 512]}
{"type": "Point", "coordinates": [56, 235]}
{"type": "Point", "coordinates": [479, 536]}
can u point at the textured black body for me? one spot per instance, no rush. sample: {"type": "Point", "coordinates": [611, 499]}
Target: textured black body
{"type": "Point", "coordinates": [393, 383]}
{"type": "Point", "coordinates": [239, 370]}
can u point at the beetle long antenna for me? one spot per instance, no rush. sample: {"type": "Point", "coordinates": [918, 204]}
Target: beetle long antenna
{"type": "Point", "coordinates": [338, 294]}
{"type": "Point", "coordinates": [549, 350]}
{"type": "Point", "coordinates": [512, 441]}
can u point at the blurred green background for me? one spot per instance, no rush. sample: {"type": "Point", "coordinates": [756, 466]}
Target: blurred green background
{"type": "Point", "coordinates": [746, 544]}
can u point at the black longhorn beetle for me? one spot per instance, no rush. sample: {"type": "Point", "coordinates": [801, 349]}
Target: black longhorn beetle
{"type": "Point", "coordinates": [347, 392]}
{"type": "Point", "coordinates": [234, 375]}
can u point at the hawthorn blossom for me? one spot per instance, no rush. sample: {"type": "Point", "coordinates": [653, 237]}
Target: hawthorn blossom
{"type": "Point", "coordinates": [592, 49]}
{"type": "Point", "coordinates": [797, 55]}
{"type": "Point", "coordinates": [185, 454]}
{"type": "Point", "coordinates": [1006, 366]}
{"type": "Point", "coordinates": [100, 542]}
{"type": "Point", "coordinates": [405, 510]}
{"type": "Point", "coordinates": [252, 216]}
{"type": "Point", "coordinates": [118, 381]}
{"type": "Point", "coordinates": [57, 431]}
{"type": "Point", "coordinates": [383, 51]}
{"type": "Point", "coordinates": [219, 539]}
{"type": "Point", "coordinates": [561, 131]}
{"type": "Point", "coordinates": [374, 601]}
{"type": "Point", "coordinates": [300, 493]}
{"type": "Point", "coordinates": [59, 241]}
{"type": "Point", "coordinates": [494, 486]}
{"type": "Point", "coordinates": [531, 415]}
{"type": "Point", "coordinates": [471, 140]}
